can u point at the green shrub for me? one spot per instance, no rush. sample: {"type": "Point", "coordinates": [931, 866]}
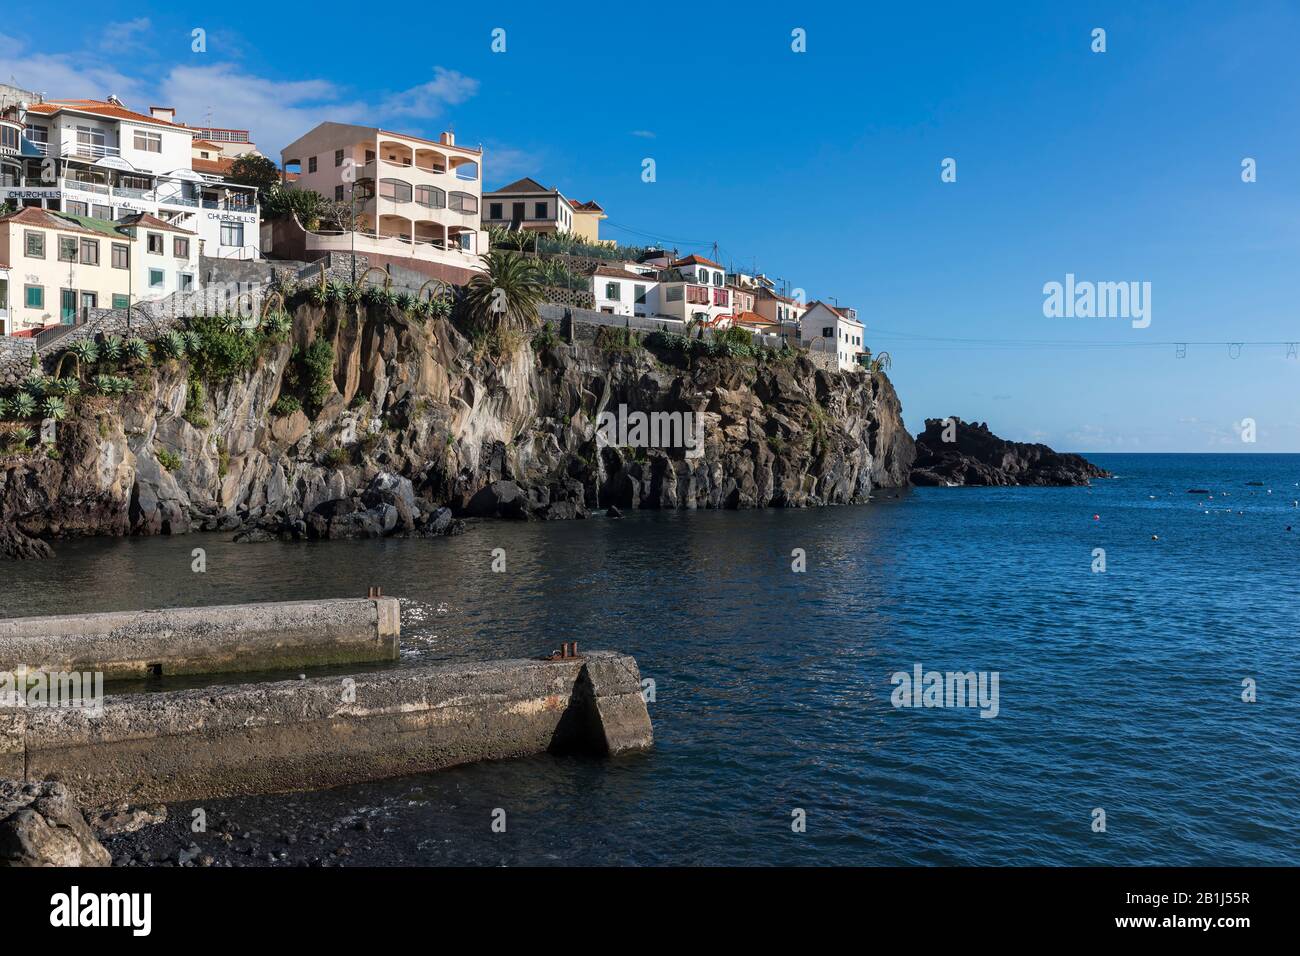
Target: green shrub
{"type": "Point", "coordinates": [54, 407]}
{"type": "Point", "coordinates": [286, 405]}
{"type": "Point", "coordinates": [169, 459]}
{"type": "Point", "coordinates": [111, 349]}
{"type": "Point", "coordinates": [136, 349]}
{"type": "Point", "coordinates": [545, 338]}
{"type": "Point", "coordinates": [217, 351]}
{"type": "Point", "coordinates": [318, 363]}
{"type": "Point", "coordinates": [335, 458]}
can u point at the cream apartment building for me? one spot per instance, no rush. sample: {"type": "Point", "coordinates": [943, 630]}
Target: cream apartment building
{"type": "Point", "coordinates": [418, 201]}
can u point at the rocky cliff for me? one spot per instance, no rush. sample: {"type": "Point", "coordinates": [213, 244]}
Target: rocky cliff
{"type": "Point", "coordinates": [953, 452]}
{"type": "Point", "coordinates": [367, 420]}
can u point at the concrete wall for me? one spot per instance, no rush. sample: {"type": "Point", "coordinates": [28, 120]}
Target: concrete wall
{"type": "Point", "coordinates": [205, 640]}
{"type": "Point", "coordinates": [296, 735]}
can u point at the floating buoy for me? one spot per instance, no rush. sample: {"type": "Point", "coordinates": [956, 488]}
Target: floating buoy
{"type": "Point", "coordinates": [1096, 517]}
{"type": "Point", "coordinates": [1155, 537]}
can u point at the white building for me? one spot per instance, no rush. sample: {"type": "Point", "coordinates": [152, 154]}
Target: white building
{"type": "Point", "coordinates": [694, 289]}
{"type": "Point", "coordinates": [836, 330]}
{"type": "Point", "coordinates": [96, 158]}
{"type": "Point", "coordinates": [626, 290]}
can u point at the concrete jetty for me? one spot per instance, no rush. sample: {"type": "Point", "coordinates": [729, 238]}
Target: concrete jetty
{"type": "Point", "coordinates": [205, 640]}
{"type": "Point", "coordinates": [326, 731]}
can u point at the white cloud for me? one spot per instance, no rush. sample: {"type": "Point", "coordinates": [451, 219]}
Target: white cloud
{"type": "Point", "coordinates": [447, 88]}
{"type": "Point", "coordinates": [276, 112]}
{"type": "Point", "coordinates": [124, 35]}
{"type": "Point", "coordinates": [643, 133]}
{"type": "Point", "coordinates": [64, 76]}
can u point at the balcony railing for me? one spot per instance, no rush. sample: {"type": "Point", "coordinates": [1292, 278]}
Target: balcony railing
{"type": "Point", "coordinates": [89, 150]}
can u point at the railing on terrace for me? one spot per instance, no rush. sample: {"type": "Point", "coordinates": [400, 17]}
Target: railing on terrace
{"type": "Point", "coordinates": [89, 150]}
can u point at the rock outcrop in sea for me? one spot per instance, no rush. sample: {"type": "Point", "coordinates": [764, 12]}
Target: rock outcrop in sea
{"type": "Point", "coordinates": [369, 420]}
{"type": "Point", "coordinates": [973, 455]}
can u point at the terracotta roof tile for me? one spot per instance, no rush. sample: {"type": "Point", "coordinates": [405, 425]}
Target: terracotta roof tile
{"type": "Point", "coordinates": [100, 108]}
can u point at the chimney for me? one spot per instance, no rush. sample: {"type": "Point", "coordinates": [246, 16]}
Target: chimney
{"type": "Point", "coordinates": [165, 113]}
{"type": "Point", "coordinates": [448, 138]}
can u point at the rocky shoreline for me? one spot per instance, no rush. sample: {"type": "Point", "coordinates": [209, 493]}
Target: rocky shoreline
{"type": "Point", "coordinates": [368, 420]}
{"type": "Point", "coordinates": [951, 453]}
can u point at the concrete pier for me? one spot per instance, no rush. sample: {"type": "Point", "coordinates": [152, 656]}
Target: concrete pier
{"type": "Point", "coordinates": [322, 732]}
{"type": "Point", "coordinates": [205, 640]}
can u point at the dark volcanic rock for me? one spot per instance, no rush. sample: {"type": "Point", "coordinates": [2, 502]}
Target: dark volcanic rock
{"type": "Point", "coordinates": [976, 456]}
{"type": "Point", "coordinates": [417, 421]}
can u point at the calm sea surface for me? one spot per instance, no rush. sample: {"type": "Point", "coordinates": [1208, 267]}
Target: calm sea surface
{"type": "Point", "coordinates": [1118, 690]}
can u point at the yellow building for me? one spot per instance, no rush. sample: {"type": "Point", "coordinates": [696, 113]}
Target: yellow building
{"type": "Point", "coordinates": [61, 265]}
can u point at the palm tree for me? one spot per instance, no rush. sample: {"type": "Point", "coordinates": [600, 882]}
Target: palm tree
{"type": "Point", "coordinates": [506, 295]}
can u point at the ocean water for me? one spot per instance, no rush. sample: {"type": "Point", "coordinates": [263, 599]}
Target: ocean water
{"type": "Point", "coordinates": [1120, 691]}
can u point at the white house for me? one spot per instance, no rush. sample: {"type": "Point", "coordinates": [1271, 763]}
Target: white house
{"type": "Point", "coordinates": [834, 329]}
{"type": "Point", "coordinates": [626, 290]}
{"type": "Point", "coordinates": [98, 159]}
{"type": "Point", "coordinates": [695, 289]}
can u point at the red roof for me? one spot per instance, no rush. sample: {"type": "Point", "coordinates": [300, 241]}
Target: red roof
{"type": "Point", "coordinates": [213, 167]}
{"type": "Point", "coordinates": [100, 108]}
{"type": "Point", "coordinates": [694, 260]}
{"type": "Point", "coordinates": [752, 318]}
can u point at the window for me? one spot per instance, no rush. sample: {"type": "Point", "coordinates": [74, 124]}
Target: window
{"type": "Point", "coordinates": [184, 281]}
{"type": "Point", "coordinates": [121, 301]}
{"type": "Point", "coordinates": [828, 332]}
{"type": "Point", "coordinates": [638, 294]}
{"type": "Point", "coordinates": [717, 279]}
{"type": "Point", "coordinates": [35, 244]}
{"type": "Point", "coordinates": [67, 249]}
{"type": "Point", "coordinates": [464, 202]}
{"type": "Point", "coordinates": [121, 257]}
{"type": "Point", "coordinates": [90, 252]}
{"type": "Point", "coordinates": [148, 142]}
{"type": "Point", "coordinates": [9, 138]}
{"type": "Point", "coordinates": [721, 297]}
{"type": "Point", "coordinates": [494, 210]}
{"type": "Point", "coordinates": [338, 193]}
{"type": "Point", "coordinates": [539, 210]}
{"type": "Point", "coordinates": [37, 133]}
{"type": "Point", "coordinates": [395, 189]}
{"type": "Point", "coordinates": [77, 209]}
{"type": "Point", "coordinates": [311, 164]}
{"type": "Point", "coordinates": [156, 278]}
{"type": "Point", "coordinates": [613, 291]}
{"type": "Point", "coordinates": [370, 156]}
{"type": "Point", "coordinates": [155, 243]}
{"type": "Point", "coordinates": [338, 157]}
{"type": "Point", "coordinates": [232, 233]}
{"type": "Point", "coordinates": [102, 212]}
{"type": "Point", "coordinates": [91, 142]}
{"type": "Point", "coordinates": [674, 293]}
{"type": "Point", "coordinates": [431, 196]}
{"type": "Point", "coordinates": [35, 296]}
{"type": "Point", "coordinates": [181, 248]}
{"type": "Point", "coordinates": [466, 241]}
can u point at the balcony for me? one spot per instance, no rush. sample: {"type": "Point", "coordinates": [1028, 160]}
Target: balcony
{"type": "Point", "coordinates": [88, 151]}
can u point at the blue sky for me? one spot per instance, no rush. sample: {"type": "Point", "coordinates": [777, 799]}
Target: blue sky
{"type": "Point", "coordinates": [823, 167]}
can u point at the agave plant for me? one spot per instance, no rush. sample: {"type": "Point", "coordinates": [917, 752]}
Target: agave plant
{"type": "Point", "coordinates": [21, 406]}
{"type": "Point", "coordinates": [54, 407]}
{"type": "Point", "coordinates": [352, 292]}
{"type": "Point", "coordinates": [111, 350]}
{"type": "Point", "coordinates": [67, 386]}
{"type": "Point", "coordinates": [113, 384]}
{"type": "Point", "coordinates": [172, 344]}
{"type": "Point", "coordinates": [404, 301]}
{"type": "Point", "coordinates": [231, 323]}
{"type": "Point", "coordinates": [193, 342]}
{"type": "Point", "coordinates": [319, 294]}
{"type": "Point", "coordinates": [136, 349]}
{"type": "Point", "coordinates": [19, 437]}
{"type": "Point", "coordinates": [35, 383]}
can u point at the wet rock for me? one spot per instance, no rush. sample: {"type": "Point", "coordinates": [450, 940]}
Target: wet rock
{"type": "Point", "coordinates": [41, 825]}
